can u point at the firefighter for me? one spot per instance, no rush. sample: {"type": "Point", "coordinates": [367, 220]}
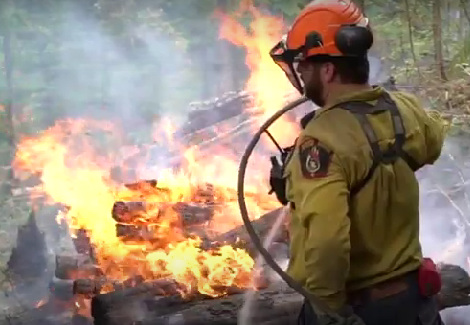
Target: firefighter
{"type": "Point", "coordinates": [350, 177]}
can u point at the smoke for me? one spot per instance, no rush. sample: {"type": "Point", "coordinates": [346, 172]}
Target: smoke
{"type": "Point", "coordinates": [445, 212]}
{"type": "Point", "coordinates": [129, 79]}
{"type": "Point", "coordinates": [129, 72]}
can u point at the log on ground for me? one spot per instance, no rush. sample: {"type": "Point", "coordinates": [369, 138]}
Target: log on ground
{"type": "Point", "coordinates": [277, 305]}
{"type": "Point", "coordinates": [239, 236]}
{"type": "Point", "coordinates": [103, 303]}
{"type": "Point", "coordinates": [109, 308]}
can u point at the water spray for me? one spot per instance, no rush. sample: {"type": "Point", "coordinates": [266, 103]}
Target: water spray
{"type": "Point", "coordinates": [318, 306]}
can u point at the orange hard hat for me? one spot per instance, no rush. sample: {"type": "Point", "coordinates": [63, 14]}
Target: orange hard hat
{"type": "Point", "coordinates": [324, 28]}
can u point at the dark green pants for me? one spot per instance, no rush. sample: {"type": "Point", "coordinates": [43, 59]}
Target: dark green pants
{"type": "Point", "coordinates": [405, 308]}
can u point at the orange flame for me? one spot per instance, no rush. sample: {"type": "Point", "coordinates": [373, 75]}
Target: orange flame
{"type": "Point", "coordinates": [81, 182]}
{"type": "Point", "coordinates": [267, 81]}
{"type": "Point", "coordinates": [77, 174]}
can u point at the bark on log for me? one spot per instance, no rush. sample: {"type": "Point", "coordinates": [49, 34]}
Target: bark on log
{"type": "Point", "coordinates": [276, 305]}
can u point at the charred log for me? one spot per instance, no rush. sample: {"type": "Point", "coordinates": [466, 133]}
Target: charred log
{"type": "Point", "coordinates": [73, 266]}
{"type": "Point", "coordinates": [273, 306]}
{"type": "Point", "coordinates": [90, 287]}
{"type": "Point", "coordinates": [61, 289]}
{"type": "Point", "coordinates": [142, 185]}
{"type": "Point", "coordinates": [215, 111]}
{"type": "Point", "coordinates": [28, 259]}
{"type": "Point", "coordinates": [83, 244]}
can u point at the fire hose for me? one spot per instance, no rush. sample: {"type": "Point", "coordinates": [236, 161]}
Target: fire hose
{"type": "Point", "coordinates": [318, 306]}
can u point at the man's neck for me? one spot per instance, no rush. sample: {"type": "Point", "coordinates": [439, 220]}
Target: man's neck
{"type": "Point", "coordinates": [339, 90]}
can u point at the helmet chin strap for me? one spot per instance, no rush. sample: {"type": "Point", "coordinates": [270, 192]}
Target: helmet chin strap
{"type": "Point", "coordinates": [320, 308]}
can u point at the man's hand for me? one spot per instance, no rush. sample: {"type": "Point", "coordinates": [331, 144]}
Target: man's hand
{"type": "Point", "coordinates": [277, 182]}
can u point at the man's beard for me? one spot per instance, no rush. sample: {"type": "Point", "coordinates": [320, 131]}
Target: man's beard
{"type": "Point", "coordinates": [314, 89]}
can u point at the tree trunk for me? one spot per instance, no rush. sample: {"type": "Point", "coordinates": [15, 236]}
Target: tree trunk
{"type": "Point", "coordinates": [437, 37]}
{"type": "Point", "coordinates": [463, 4]}
{"type": "Point", "coordinates": [410, 35]}
{"type": "Point", "coordinates": [8, 59]}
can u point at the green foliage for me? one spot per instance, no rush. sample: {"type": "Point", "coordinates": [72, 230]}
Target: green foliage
{"type": "Point", "coordinates": [54, 75]}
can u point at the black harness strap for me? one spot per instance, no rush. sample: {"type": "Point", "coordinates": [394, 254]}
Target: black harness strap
{"type": "Point", "coordinates": [360, 110]}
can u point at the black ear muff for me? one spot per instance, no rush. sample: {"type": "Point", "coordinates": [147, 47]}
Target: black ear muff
{"type": "Point", "coordinates": [354, 40]}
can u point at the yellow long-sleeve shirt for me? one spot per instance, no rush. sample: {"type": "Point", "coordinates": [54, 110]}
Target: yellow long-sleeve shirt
{"type": "Point", "coordinates": [341, 244]}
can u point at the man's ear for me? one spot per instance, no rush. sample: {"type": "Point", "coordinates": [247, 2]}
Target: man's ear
{"type": "Point", "coordinates": [329, 71]}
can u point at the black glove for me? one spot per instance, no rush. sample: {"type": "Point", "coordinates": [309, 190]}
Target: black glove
{"type": "Point", "coordinates": [277, 181]}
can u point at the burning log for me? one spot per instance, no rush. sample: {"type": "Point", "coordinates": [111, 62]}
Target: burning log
{"type": "Point", "coordinates": [142, 185]}
{"type": "Point", "coordinates": [91, 287]}
{"type": "Point", "coordinates": [88, 286]}
{"type": "Point", "coordinates": [213, 112]}
{"type": "Point", "coordinates": [191, 214]}
{"type": "Point", "coordinates": [276, 305]}
{"type": "Point", "coordinates": [82, 243]}
{"type": "Point", "coordinates": [70, 266]}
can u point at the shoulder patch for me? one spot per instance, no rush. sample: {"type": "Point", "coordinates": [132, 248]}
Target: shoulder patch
{"type": "Point", "coordinates": [314, 158]}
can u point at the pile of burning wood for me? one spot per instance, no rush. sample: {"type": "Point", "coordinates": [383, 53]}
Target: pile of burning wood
{"type": "Point", "coordinates": [81, 278]}
{"type": "Point", "coordinates": [162, 301]}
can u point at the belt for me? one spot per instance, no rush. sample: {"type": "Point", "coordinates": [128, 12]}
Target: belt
{"type": "Point", "coordinates": [381, 290]}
